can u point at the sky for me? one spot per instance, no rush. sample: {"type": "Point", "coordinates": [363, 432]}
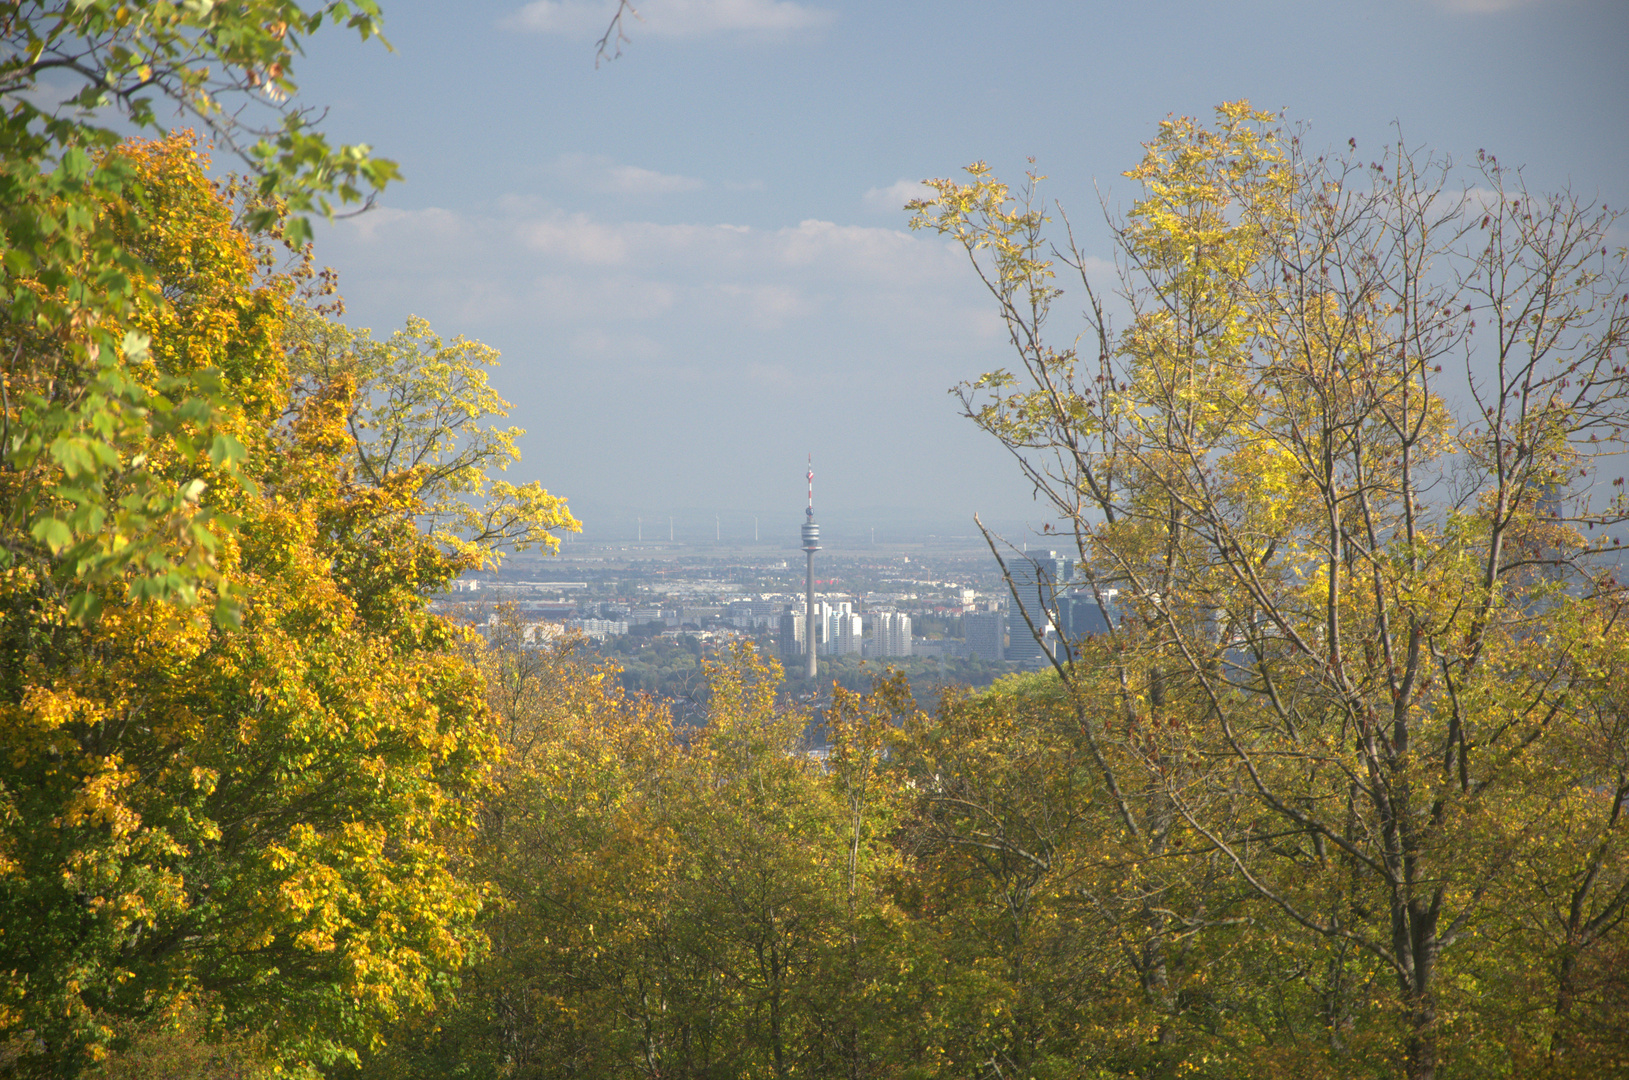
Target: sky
{"type": "Point", "coordinates": [694, 257]}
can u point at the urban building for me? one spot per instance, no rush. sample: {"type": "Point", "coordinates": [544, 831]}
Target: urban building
{"type": "Point", "coordinates": [791, 634]}
{"type": "Point", "coordinates": [985, 633]}
{"type": "Point", "coordinates": [838, 630]}
{"type": "Point", "coordinates": [1080, 615]}
{"type": "Point", "coordinates": [844, 633]}
{"type": "Point", "coordinates": [1037, 583]}
{"type": "Point", "coordinates": [598, 629]}
{"type": "Point", "coordinates": [890, 634]}
{"type": "Point", "coordinates": [751, 613]}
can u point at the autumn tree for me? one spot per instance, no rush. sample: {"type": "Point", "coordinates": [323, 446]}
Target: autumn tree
{"type": "Point", "coordinates": [418, 423]}
{"type": "Point", "coordinates": [240, 820]}
{"type": "Point", "coordinates": [1342, 465]}
{"type": "Point", "coordinates": [716, 904]}
{"type": "Point", "coordinates": [996, 847]}
{"type": "Point", "coordinates": [77, 415]}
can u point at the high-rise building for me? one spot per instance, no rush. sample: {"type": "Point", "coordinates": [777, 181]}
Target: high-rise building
{"type": "Point", "coordinates": [837, 630]}
{"type": "Point", "coordinates": [843, 634]}
{"type": "Point", "coordinates": [890, 634]}
{"type": "Point", "coordinates": [1037, 583]}
{"type": "Point", "coordinates": [984, 633]}
{"type": "Point", "coordinates": [790, 637]}
{"type": "Point", "coordinates": [751, 613]}
{"type": "Point", "coordinates": [834, 623]}
{"type": "Point", "coordinates": [1080, 615]}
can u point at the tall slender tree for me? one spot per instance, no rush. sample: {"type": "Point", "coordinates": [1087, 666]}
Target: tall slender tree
{"type": "Point", "coordinates": [1343, 467]}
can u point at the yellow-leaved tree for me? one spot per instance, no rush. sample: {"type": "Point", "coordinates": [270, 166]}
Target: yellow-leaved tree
{"type": "Point", "coordinates": [684, 902]}
{"type": "Point", "coordinates": [416, 426]}
{"type": "Point", "coordinates": [1336, 485]}
{"type": "Point", "coordinates": [237, 829]}
{"type": "Point", "coordinates": [73, 281]}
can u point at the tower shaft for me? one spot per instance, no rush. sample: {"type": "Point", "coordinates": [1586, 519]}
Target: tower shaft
{"type": "Point", "coordinates": [811, 544]}
{"type": "Point", "coordinates": [809, 631]}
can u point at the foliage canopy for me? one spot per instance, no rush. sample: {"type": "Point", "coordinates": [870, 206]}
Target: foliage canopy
{"type": "Point", "coordinates": [249, 823]}
{"type": "Point", "coordinates": [74, 284]}
{"type": "Point", "coordinates": [1335, 487]}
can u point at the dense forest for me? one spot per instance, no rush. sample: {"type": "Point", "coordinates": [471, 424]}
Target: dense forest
{"type": "Point", "coordinates": [1340, 792]}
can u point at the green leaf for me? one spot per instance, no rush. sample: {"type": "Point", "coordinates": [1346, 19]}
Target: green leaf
{"type": "Point", "coordinates": [53, 533]}
{"type": "Point", "coordinates": [229, 613]}
{"type": "Point", "coordinates": [74, 456]}
{"type": "Point", "coordinates": [226, 451]}
{"type": "Point", "coordinates": [84, 607]}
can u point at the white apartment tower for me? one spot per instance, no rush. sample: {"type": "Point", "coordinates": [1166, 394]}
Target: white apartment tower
{"type": "Point", "coordinates": [843, 632]}
{"type": "Point", "coordinates": [890, 634]}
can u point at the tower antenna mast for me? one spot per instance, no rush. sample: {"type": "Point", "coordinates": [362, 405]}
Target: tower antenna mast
{"type": "Point", "coordinates": [811, 544]}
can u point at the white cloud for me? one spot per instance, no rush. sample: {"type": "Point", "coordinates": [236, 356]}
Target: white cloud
{"type": "Point", "coordinates": [645, 295]}
{"type": "Point", "coordinates": [894, 197]}
{"type": "Point", "coordinates": [632, 180]}
{"type": "Point", "coordinates": [779, 377]}
{"type": "Point", "coordinates": [767, 307]}
{"type": "Point", "coordinates": [432, 223]}
{"type": "Point", "coordinates": [50, 91]}
{"type": "Point", "coordinates": [632, 347]}
{"type": "Point", "coordinates": [560, 17]}
{"type": "Point", "coordinates": [621, 297]}
{"type": "Point", "coordinates": [585, 240]}
{"type": "Point", "coordinates": [857, 251]}
{"type": "Point", "coordinates": [601, 175]}
{"type": "Point", "coordinates": [574, 269]}
{"type": "Point", "coordinates": [1102, 273]}
{"type": "Point", "coordinates": [577, 238]}
{"type": "Point", "coordinates": [671, 18]}
{"type": "Point", "coordinates": [696, 252]}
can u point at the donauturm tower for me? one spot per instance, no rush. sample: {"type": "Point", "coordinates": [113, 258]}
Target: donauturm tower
{"type": "Point", "coordinates": [811, 544]}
